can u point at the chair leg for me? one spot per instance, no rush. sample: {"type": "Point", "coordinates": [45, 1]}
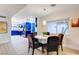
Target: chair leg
{"type": "Point", "coordinates": [57, 51]}
{"type": "Point", "coordinates": [61, 47]}
{"type": "Point", "coordinates": [33, 52]}
{"type": "Point", "coordinates": [43, 49]}
{"type": "Point", "coordinates": [47, 53]}
{"type": "Point", "coordinates": [28, 48]}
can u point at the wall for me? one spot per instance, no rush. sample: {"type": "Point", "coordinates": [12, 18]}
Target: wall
{"type": "Point", "coordinates": [72, 39]}
{"type": "Point", "coordinates": [6, 37]}
{"type": "Point", "coordinates": [40, 27]}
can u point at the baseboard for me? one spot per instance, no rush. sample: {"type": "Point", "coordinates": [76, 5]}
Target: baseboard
{"type": "Point", "coordinates": [2, 42]}
{"type": "Point", "coordinates": [72, 47]}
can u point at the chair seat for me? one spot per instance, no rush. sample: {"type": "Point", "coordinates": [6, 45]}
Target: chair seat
{"type": "Point", "coordinates": [37, 44]}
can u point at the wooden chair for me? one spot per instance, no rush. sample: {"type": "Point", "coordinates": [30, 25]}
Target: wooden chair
{"type": "Point", "coordinates": [61, 40]}
{"type": "Point", "coordinates": [33, 35]}
{"type": "Point", "coordinates": [33, 44]}
{"type": "Point", "coordinates": [52, 44]}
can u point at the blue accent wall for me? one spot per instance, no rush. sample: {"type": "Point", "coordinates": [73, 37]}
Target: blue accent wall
{"type": "Point", "coordinates": [15, 32]}
{"type": "Point", "coordinates": [33, 27]}
{"type": "Point", "coordinates": [28, 26]}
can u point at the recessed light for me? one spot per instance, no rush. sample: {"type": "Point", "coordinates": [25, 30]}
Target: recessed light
{"type": "Point", "coordinates": [44, 9]}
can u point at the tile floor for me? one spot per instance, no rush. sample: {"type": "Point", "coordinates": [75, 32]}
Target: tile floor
{"type": "Point", "coordinates": [19, 46]}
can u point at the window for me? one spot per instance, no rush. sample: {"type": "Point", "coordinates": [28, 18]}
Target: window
{"type": "Point", "coordinates": [56, 27]}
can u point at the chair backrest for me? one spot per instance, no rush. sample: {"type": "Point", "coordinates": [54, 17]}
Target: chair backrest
{"type": "Point", "coordinates": [61, 37]}
{"type": "Point", "coordinates": [52, 43]}
{"type": "Point", "coordinates": [34, 33]}
{"type": "Point", "coordinates": [31, 40]}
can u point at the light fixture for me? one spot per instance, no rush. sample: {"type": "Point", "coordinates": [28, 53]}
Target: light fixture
{"type": "Point", "coordinates": [44, 9]}
{"type": "Point", "coordinates": [44, 22]}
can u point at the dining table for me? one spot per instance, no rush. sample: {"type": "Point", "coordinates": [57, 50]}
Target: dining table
{"type": "Point", "coordinates": [43, 38]}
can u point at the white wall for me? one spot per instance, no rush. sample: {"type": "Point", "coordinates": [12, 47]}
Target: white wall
{"type": "Point", "coordinates": [72, 40]}
{"type": "Point", "coordinates": [6, 37]}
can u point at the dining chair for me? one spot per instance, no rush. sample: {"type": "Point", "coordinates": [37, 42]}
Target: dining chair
{"type": "Point", "coordinates": [61, 40]}
{"type": "Point", "coordinates": [52, 44]}
{"type": "Point", "coordinates": [33, 44]}
{"type": "Point", "coordinates": [33, 35]}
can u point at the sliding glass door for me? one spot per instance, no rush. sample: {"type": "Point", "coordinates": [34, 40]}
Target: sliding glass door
{"type": "Point", "coordinates": [56, 27]}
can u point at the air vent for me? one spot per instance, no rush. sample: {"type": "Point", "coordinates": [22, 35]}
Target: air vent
{"type": "Point", "coordinates": [52, 5]}
{"type": "Point", "coordinates": [2, 16]}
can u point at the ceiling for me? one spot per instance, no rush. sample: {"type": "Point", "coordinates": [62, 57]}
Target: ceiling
{"type": "Point", "coordinates": [10, 9]}
{"type": "Point", "coordinates": [40, 10]}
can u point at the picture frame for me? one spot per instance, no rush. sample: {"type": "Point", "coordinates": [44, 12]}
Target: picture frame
{"type": "Point", "coordinates": [75, 22]}
{"type": "Point", "coordinates": [3, 27]}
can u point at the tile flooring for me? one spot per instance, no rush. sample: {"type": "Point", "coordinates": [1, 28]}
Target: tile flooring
{"type": "Point", "coordinates": [19, 46]}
